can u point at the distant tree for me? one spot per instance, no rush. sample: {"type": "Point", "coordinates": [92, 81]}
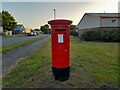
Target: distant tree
{"type": "Point", "coordinates": [45, 29]}
{"type": "Point", "coordinates": [36, 29]}
{"type": "Point", "coordinates": [72, 30]}
{"type": "Point", "coordinates": [8, 21]}
{"type": "Point", "coordinates": [41, 28]}
{"type": "Point", "coordinates": [72, 27]}
{"type": "Point", "coordinates": [0, 19]}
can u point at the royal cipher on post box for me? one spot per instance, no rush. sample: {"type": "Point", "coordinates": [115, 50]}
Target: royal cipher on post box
{"type": "Point", "coordinates": [60, 35]}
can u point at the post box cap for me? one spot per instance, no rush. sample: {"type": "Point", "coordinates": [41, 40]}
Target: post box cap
{"type": "Point", "coordinates": [60, 22]}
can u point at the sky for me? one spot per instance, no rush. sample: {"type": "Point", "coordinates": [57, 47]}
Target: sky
{"type": "Point", "coordinates": [34, 14]}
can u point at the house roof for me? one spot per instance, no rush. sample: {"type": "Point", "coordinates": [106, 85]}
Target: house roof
{"type": "Point", "coordinates": [105, 14]}
{"type": "Point", "coordinates": [101, 15]}
{"type": "Point", "coordinates": [19, 27]}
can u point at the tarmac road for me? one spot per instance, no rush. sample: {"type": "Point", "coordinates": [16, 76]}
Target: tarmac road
{"type": "Point", "coordinates": [11, 40]}
{"type": "Point", "coordinates": [11, 58]}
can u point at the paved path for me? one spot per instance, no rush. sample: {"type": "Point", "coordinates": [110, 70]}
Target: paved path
{"type": "Point", "coordinates": [12, 57]}
{"type": "Point", "coordinates": [11, 40]}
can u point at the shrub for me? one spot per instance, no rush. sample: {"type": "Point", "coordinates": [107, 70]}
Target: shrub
{"type": "Point", "coordinates": [73, 33]}
{"type": "Point", "coordinates": [101, 35]}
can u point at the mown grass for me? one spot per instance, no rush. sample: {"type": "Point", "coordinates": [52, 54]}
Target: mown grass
{"type": "Point", "coordinates": [21, 34]}
{"type": "Point", "coordinates": [98, 60]}
{"type": "Point", "coordinates": [28, 67]}
{"type": "Point", "coordinates": [15, 35]}
{"type": "Point", "coordinates": [4, 49]}
{"type": "Point", "coordinates": [93, 65]}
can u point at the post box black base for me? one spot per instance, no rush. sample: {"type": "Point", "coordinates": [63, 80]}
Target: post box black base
{"type": "Point", "coordinates": [61, 74]}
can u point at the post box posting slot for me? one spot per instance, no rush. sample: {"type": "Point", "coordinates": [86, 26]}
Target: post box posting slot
{"type": "Point", "coordinates": [60, 30]}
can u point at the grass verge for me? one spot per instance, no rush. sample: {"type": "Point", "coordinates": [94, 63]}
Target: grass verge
{"type": "Point", "coordinates": [93, 65]}
{"type": "Point", "coordinates": [15, 35]}
{"type": "Point", "coordinates": [28, 67]}
{"type": "Point", "coordinates": [4, 49]}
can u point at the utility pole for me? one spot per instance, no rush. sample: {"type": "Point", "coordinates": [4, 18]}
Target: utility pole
{"type": "Point", "coordinates": [54, 14]}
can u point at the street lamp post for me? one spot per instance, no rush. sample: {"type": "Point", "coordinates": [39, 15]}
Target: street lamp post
{"type": "Point", "coordinates": [54, 13]}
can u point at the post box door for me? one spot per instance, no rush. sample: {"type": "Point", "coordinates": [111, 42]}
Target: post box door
{"type": "Point", "coordinates": [60, 48]}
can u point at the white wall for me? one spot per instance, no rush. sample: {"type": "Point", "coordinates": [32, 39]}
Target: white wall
{"type": "Point", "coordinates": [107, 22]}
{"type": "Point", "coordinates": [89, 21]}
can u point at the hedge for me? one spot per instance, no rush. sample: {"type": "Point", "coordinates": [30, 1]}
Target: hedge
{"type": "Point", "coordinates": [101, 35]}
{"type": "Point", "coordinates": [73, 33]}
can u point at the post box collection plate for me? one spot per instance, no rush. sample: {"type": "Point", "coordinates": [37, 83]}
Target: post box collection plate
{"type": "Point", "coordinates": [60, 38]}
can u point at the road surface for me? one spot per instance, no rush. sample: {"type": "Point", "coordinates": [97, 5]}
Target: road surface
{"type": "Point", "coordinates": [11, 40]}
{"type": "Point", "coordinates": [10, 58]}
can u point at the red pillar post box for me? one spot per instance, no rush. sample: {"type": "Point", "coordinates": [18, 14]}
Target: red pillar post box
{"type": "Point", "coordinates": [60, 35]}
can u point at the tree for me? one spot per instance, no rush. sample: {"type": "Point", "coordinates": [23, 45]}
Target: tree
{"type": "Point", "coordinates": [0, 19]}
{"type": "Point", "coordinates": [72, 30]}
{"type": "Point", "coordinates": [36, 29]}
{"type": "Point", "coordinates": [72, 27]}
{"type": "Point", "coordinates": [8, 21]}
{"type": "Point", "coordinates": [45, 29]}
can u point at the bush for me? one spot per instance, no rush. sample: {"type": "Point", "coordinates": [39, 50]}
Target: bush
{"type": "Point", "coordinates": [101, 35]}
{"type": "Point", "coordinates": [73, 33]}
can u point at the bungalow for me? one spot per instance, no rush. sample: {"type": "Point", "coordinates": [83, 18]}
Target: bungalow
{"type": "Point", "coordinates": [20, 28]}
{"type": "Point", "coordinates": [93, 21]}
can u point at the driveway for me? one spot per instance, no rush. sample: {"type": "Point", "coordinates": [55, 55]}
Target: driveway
{"type": "Point", "coordinates": [10, 58]}
{"type": "Point", "coordinates": [11, 40]}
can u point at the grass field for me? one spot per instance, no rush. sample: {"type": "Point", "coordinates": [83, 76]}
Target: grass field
{"type": "Point", "coordinates": [4, 49]}
{"type": "Point", "coordinates": [15, 35]}
{"type": "Point", "coordinates": [93, 65]}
